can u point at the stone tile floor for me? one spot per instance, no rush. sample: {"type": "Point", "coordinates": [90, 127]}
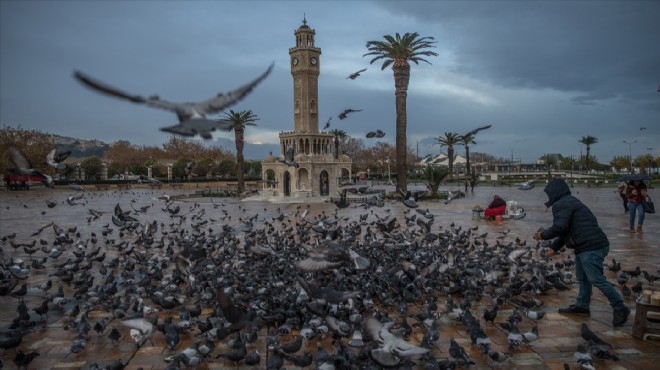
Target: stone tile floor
{"type": "Point", "coordinates": [558, 334]}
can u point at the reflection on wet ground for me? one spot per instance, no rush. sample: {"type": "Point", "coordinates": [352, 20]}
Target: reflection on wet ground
{"type": "Point", "coordinates": [24, 213]}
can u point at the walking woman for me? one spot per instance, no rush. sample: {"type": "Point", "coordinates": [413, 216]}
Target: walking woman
{"type": "Point", "coordinates": [636, 192]}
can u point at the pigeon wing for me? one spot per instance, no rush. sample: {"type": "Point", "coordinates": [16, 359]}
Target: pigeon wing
{"type": "Point", "coordinates": [107, 89]}
{"type": "Point", "coordinates": [142, 325]}
{"type": "Point", "coordinates": [232, 312]}
{"type": "Point", "coordinates": [222, 101]}
{"type": "Point", "coordinates": [18, 159]}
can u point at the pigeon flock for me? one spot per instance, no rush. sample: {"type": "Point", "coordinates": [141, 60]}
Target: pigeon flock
{"type": "Point", "coordinates": [358, 286]}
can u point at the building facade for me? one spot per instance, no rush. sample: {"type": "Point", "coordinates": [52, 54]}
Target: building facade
{"type": "Point", "coordinates": [316, 168]}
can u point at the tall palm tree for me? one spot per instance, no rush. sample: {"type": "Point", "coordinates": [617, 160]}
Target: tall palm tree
{"type": "Point", "coordinates": [240, 119]}
{"type": "Point", "coordinates": [449, 140]}
{"type": "Point", "coordinates": [466, 141]}
{"type": "Point", "coordinates": [588, 141]}
{"type": "Point", "coordinates": [340, 135]}
{"type": "Point", "coordinates": [398, 51]}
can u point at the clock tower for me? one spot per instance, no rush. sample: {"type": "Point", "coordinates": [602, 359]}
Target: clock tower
{"type": "Point", "coordinates": [316, 168]}
{"type": "Point", "coordinates": [305, 69]}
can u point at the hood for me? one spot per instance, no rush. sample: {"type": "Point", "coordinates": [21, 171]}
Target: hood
{"type": "Point", "coordinates": [556, 189]}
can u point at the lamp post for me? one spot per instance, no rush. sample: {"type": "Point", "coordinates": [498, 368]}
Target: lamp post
{"type": "Point", "coordinates": [389, 179]}
{"type": "Point", "coordinates": [630, 143]}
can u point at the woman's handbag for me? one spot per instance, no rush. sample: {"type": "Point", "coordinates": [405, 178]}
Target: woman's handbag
{"type": "Point", "coordinates": [648, 205]}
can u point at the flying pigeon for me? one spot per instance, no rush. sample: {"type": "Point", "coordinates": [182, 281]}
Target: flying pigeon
{"type": "Point", "coordinates": [192, 116]}
{"type": "Point", "coordinates": [56, 160]}
{"type": "Point", "coordinates": [474, 132]}
{"type": "Point", "coordinates": [288, 158]}
{"type": "Point", "coordinates": [327, 124]}
{"type": "Point", "coordinates": [345, 113]}
{"type": "Point", "coordinates": [355, 75]}
{"type": "Point", "coordinates": [24, 167]}
{"type": "Point", "coordinates": [389, 342]}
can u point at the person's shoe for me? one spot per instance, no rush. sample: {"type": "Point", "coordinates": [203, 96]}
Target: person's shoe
{"type": "Point", "coordinates": [621, 316]}
{"type": "Point", "coordinates": [575, 310]}
{"type": "Point", "coordinates": [632, 231]}
{"type": "Point", "coordinates": [639, 229]}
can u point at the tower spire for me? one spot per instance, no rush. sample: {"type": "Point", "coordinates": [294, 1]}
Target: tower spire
{"type": "Point", "coordinates": [304, 19]}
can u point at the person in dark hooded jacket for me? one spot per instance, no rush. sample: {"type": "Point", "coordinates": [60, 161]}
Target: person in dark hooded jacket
{"type": "Point", "coordinates": [576, 227]}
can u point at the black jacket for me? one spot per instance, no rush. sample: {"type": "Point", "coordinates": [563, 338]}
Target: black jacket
{"type": "Point", "coordinates": [573, 223]}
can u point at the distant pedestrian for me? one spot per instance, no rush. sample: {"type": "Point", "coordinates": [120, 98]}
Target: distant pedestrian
{"type": "Point", "coordinates": [621, 189]}
{"type": "Point", "coordinates": [466, 183]}
{"type": "Point", "coordinates": [636, 192]}
{"type": "Point", "coordinates": [576, 227]}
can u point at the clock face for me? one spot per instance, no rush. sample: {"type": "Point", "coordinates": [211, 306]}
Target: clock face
{"type": "Point", "coordinates": [314, 61]}
{"type": "Point", "coordinates": [295, 61]}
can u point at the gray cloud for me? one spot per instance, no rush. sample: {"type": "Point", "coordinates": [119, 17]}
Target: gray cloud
{"type": "Point", "coordinates": [542, 73]}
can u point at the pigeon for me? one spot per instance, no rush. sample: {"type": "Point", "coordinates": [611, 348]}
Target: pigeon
{"type": "Point", "coordinates": [498, 356]}
{"type": "Point", "coordinates": [600, 351]}
{"type": "Point", "coordinates": [490, 315]}
{"type": "Point", "coordinates": [474, 132]}
{"type": "Point", "coordinates": [390, 342]}
{"type": "Point", "coordinates": [515, 338]}
{"type": "Point", "coordinates": [534, 315]}
{"type": "Point", "coordinates": [583, 358]}
{"type": "Point", "coordinates": [289, 158]}
{"type": "Point", "coordinates": [589, 336]}
{"type": "Point", "coordinates": [24, 167]}
{"type": "Point", "coordinates": [141, 330]}
{"type": "Point", "coordinates": [327, 124]}
{"type": "Point", "coordinates": [343, 115]}
{"type": "Point", "coordinates": [22, 360]}
{"type": "Point", "coordinates": [56, 159]}
{"type": "Point", "coordinates": [192, 116]}
{"type": "Point", "coordinates": [532, 334]}
{"type": "Point", "coordinates": [457, 352]}
{"type": "Point", "coordinates": [355, 75]}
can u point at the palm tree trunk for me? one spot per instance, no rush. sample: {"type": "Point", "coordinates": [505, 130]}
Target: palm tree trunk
{"type": "Point", "coordinates": [468, 172]}
{"type": "Point", "coordinates": [450, 155]}
{"type": "Point", "coordinates": [401, 80]}
{"type": "Point", "coordinates": [239, 131]}
{"type": "Point", "coordinates": [587, 160]}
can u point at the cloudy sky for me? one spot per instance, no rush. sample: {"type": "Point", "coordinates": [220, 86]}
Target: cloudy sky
{"type": "Point", "coordinates": [543, 73]}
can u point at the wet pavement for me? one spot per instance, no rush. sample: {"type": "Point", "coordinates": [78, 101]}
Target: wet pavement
{"type": "Point", "coordinates": [23, 213]}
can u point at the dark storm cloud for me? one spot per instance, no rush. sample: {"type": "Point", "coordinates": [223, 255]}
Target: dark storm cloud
{"type": "Point", "coordinates": [542, 73]}
{"type": "Point", "coordinates": [597, 50]}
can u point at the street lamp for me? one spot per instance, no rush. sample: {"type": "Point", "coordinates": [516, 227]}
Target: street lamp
{"type": "Point", "coordinates": [389, 179]}
{"type": "Point", "coordinates": [630, 143]}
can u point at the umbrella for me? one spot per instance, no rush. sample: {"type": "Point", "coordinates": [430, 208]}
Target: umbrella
{"type": "Point", "coordinates": [634, 177]}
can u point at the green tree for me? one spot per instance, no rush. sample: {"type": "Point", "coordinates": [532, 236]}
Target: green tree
{"type": "Point", "coordinates": [619, 162]}
{"type": "Point", "coordinates": [399, 51]}
{"type": "Point", "coordinates": [449, 140]}
{"type": "Point", "coordinates": [204, 166]}
{"type": "Point", "coordinates": [92, 167]}
{"type": "Point", "coordinates": [240, 120]}
{"type": "Point", "coordinates": [225, 168]}
{"type": "Point", "coordinates": [588, 141]}
{"type": "Point", "coordinates": [179, 167]}
{"type": "Point", "coordinates": [34, 145]}
{"type": "Point", "coordinates": [434, 176]}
